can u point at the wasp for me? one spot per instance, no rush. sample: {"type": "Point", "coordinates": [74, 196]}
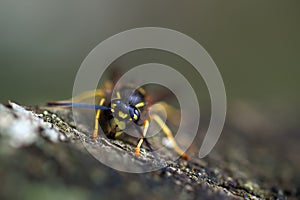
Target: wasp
{"type": "Point", "coordinates": [115, 114]}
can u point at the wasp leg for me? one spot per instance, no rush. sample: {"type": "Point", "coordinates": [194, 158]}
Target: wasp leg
{"type": "Point", "coordinates": [172, 113]}
{"type": "Point", "coordinates": [138, 146]}
{"type": "Point", "coordinates": [169, 135]}
{"type": "Point", "coordinates": [88, 94]}
{"type": "Point", "coordinates": [94, 93]}
{"type": "Point", "coordinates": [118, 134]}
{"type": "Point", "coordinates": [96, 128]}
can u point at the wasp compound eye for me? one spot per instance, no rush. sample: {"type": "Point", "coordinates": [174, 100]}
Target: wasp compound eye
{"type": "Point", "coordinates": [134, 113]}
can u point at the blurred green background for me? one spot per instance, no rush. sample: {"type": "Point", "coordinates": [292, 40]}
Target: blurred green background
{"type": "Point", "coordinates": [255, 44]}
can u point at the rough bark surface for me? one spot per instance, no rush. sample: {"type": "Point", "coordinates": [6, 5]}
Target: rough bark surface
{"type": "Point", "coordinates": [42, 156]}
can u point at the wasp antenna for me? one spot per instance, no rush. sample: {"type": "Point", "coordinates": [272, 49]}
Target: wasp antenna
{"type": "Point", "coordinates": [57, 103]}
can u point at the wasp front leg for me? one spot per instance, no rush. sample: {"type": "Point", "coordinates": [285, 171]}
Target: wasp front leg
{"type": "Point", "coordinates": [98, 112]}
{"type": "Point", "coordinates": [140, 142]}
{"type": "Point", "coordinates": [169, 135]}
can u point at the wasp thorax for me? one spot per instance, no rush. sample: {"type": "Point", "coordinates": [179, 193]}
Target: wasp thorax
{"type": "Point", "coordinates": [124, 112]}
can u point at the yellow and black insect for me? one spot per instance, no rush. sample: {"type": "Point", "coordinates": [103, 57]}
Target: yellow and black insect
{"type": "Point", "coordinates": [115, 114]}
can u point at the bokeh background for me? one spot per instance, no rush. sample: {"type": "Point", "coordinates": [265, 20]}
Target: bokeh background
{"type": "Point", "coordinates": [255, 45]}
